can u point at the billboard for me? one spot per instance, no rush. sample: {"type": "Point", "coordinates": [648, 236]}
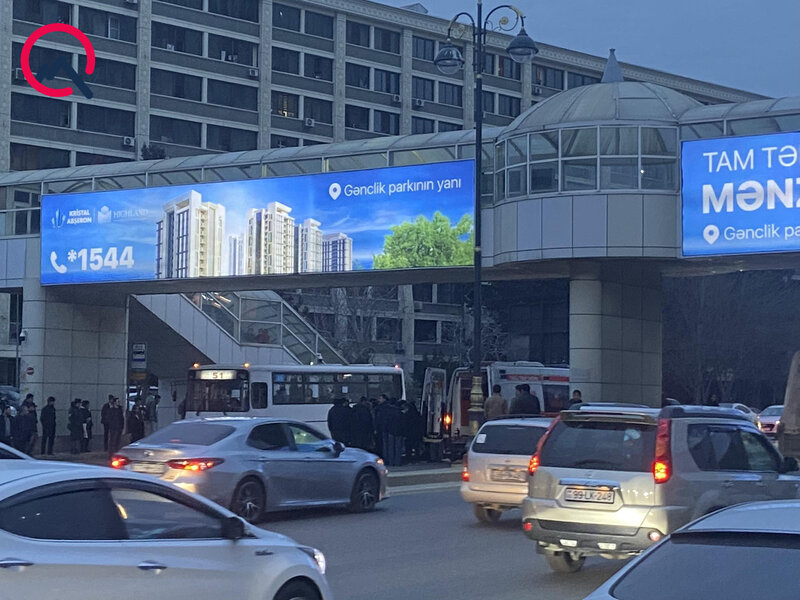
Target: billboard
{"type": "Point", "coordinates": [741, 195]}
{"type": "Point", "coordinates": [395, 217]}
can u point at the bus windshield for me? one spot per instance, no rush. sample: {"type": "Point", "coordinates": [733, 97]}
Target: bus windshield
{"type": "Point", "coordinates": [225, 393]}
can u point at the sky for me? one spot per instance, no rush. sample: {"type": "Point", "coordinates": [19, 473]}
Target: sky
{"type": "Point", "coordinates": [753, 45]}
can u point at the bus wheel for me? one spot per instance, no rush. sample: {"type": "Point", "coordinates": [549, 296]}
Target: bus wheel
{"type": "Point", "coordinates": [249, 500]}
{"type": "Point", "coordinates": [365, 492]}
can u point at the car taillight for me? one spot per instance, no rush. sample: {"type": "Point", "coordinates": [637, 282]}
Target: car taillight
{"type": "Point", "coordinates": [662, 465]}
{"type": "Point", "coordinates": [465, 469]}
{"type": "Point", "coordinates": [194, 464]}
{"type": "Point", "coordinates": [533, 463]}
{"type": "Point", "coordinates": [118, 461]}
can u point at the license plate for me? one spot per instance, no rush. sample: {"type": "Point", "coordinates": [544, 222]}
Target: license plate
{"type": "Point", "coordinates": [148, 467]}
{"type": "Point", "coordinates": [589, 495]}
{"type": "Point", "coordinates": [508, 474]}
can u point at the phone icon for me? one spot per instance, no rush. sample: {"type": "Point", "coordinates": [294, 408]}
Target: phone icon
{"type": "Point", "coordinates": [54, 261]}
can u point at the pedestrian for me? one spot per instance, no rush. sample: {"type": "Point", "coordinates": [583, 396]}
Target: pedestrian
{"type": "Point", "coordinates": [394, 429]}
{"type": "Point", "coordinates": [339, 417]}
{"type": "Point", "coordinates": [495, 405]}
{"type": "Point", "coordinates": [24, 430]}
{"type": "Point", "coordinates": [31, 406]}
{"type": "Point", "coordinates": [116, 423]}
{"type": "Point", "coordinates": [525, 403]}
{"type": "Point", "coordinates": [86, 426]}
{"type": "Point", "coordinates": [7, 426]}
{"type": "Point", "coordinates": [361, 425]}
{"type": "Point", "coordinates": [576, 401]}
{"type": "Point", "coordinates": [48, 418]}
{"type": "Point", "coordinates": [415, 431]}
{"type": "Point", "coordinates": [135, 423]}
{"type": "Point", "coordinates": [104, 420]}
{"type": "Point", "coordinates": [75, 426]}
{"type": "Point", "coordinates": [382, 411]}
{"type": "Point", "coordinates": [151, 412]}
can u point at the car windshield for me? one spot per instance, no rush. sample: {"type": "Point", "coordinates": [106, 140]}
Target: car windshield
{"type": "Point", "coordinates": [755, 566]}
{"type": "Point", "coordinates": [191, 434]}
{"type": "Point", "coordinates": [613, 446]}
{"type": "Point", "coordinates": [508, 439]}
{"type": "Point", "coordinates": [772, 411]}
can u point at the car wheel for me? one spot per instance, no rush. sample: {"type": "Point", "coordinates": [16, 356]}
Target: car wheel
{"type": "Point", "coordinates": [487, 515]}
{"type": "Point", "coordinates": [249, 500]}
{"type": "Point", "coordinates": [297, 590]}
{"type": "Point", "coordinates": [365, 493]}
{"type": "Point", "coordinates": [565, 562]}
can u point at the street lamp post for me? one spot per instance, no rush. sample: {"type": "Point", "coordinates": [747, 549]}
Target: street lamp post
{"type": "Point", "coordinates": [449, 60]}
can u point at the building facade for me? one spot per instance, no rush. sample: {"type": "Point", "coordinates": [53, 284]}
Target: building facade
{"type": "Point", "coordinates": [235, 255]}
{"type": "Point", "coordinates": [337, 252]}
{"type": "Point", "coordinates": [308, 247]}
{"type": "Point", "coordinates": [187, 77]}
{"type": "Point", "coordinates": [270, 240]}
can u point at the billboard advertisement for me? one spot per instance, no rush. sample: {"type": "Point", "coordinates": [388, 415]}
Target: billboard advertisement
{"type": "Point", "coordinates": [741, 195]}
{"type": "Point", "coordinates": [395, 217]}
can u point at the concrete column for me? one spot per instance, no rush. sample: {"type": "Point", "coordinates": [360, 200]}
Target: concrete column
{"type": "Point", "coordinates": [144, 35]}
{"type": "Point", "coordinates": [339, 57]}
{"type": "Point", "coordinates": [406, 48]}
{"type": "Point", "coordinates": [6, 23]}
{"type": "Point", "coordinates": [265, 76]}
{"type": "Point", "coordinates": [615, 333]}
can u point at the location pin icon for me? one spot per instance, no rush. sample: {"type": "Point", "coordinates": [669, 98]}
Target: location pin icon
{"type": "Point", "coordinates": [335, 190]}
{"type": "Point", "coordinates": [711, 233]}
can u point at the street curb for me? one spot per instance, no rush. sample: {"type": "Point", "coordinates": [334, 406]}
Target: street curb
{"type": "Point", "coordinates": [404, 490]}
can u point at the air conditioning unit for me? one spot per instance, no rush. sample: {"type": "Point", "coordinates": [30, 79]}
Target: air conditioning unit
{"type": "Point", "coordinates": [537, 91]}
{"type": "Point", "coordinates": [397, 99]}
{"type": "Point", "coordinates": [170, 46]}
{"type": "Point", "coordinates": [309, 122]}
{"type": "Point", "coordinates": [419, 103]}
{"type": "Point", "coordinates": [18, 74]}
{"type": "Point", "coordinates": [134, 2]}
{"type": "Point", "coordinates": [252, 73]}
{"type": "Point", "coordinates": [128, 141]}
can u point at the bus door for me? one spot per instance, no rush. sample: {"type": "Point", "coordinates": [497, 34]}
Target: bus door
{"type": "Point", "coordinates": [434, 400]}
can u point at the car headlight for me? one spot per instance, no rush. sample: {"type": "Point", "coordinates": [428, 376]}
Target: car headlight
{"type": "Point", "coordinates": [317, 556]}
{"type": "Point", "coordinates": [379, 461]}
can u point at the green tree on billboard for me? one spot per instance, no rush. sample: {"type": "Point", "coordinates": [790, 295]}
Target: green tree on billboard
{"type": "Point", "coordinates": [428, 243]}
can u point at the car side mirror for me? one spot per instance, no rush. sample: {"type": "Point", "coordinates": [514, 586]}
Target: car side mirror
{"type": "Point", "coordinates": [338, 448]}
{"type": "Point", "coordinates": [233, 529]}
{"type": "Point", "coordinates": [789, 465]}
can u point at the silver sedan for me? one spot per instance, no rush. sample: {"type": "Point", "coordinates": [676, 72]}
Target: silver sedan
{"type": "Point", "coordinates": [256, 465]}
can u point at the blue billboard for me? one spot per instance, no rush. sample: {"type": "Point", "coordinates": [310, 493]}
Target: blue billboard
{"type": "Point", "coordinates": [741, 195]}
{"type": "Point", "coordinates": [395, 217]}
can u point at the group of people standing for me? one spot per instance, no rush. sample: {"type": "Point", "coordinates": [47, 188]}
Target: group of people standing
{"type": "Point", "coordinates": [523, 403]}
{"type": "Point", "coordinates": [391, 428]}
{"type": "Point", "coordinates": [19, 428]}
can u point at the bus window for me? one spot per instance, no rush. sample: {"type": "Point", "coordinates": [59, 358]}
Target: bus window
{"type": "Point", "coordinates": [258, 395]}
{"type": "Point", "coordinates": [556, 397]}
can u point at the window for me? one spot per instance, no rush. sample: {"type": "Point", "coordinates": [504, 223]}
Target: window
{"type": "Point", "coordinates": [285, 61]}
{"type": "Point", "coordinates": [423, 48]}
{"type": "Point", "coordinates": [322, 388]}
{"type": "Point", "coordinates": [659, 173]}
{"type": "Point", "coordinates": [506, 67]}
{"type": "Point", "coordinates": [192, 434]}
{"type": "Point", "coordinates": [357, 34]}
{"type": "Point", "coordinates": [548, 77]}
{"type": "Point", "coordinates": [306, 439]}
{"type": "Point", "coordinates": [487, 102]}
{"type": "Point", "coordinates": [92, 515]}
{"type": "Point", "coordinates": [424, 330]}
{"type": "Point", "coordinates": [508, 439]}
{"type": "Point", "coordinates": [544, 145]}
{"type": "Point", "coordinates": [357, 75]}
{"type": "Point", "coordinates": [620, 140]}
{"type": "Point", "coordinates": [579, 174]}
{"type": "Point", "coordinates": [285, 17]}
{"type": "Point", "coordinates": [86, 158]}
{"type": "Point", "coordinates": [178, 39]}
{"type": "Point", "coordinates": [619, 173]}
{"type": "Point", "coordinates": [285, 104]}
{"type": "Point", "coordinates": [387, 122]}
{"type": "Point", "coordinates": [319, 25]}
{"type": "Point", "coordinates": [168, 83]}
{"type": "Point", "coordinates": [488, 63]}
{"type": "Point", "coordinates": [108, 25]}
{"type": "Point", "coordinates": [247, 10]}
{"type": "Point", "coordinates": [717, 448]}
{"type": "Point", "coordinates": [258, 395]}
{"type": "Point", "coordinates": [445, 126]}
{"type": "Point", "coordinates": [577, 80]}
{"type": "Point", "coordinates": [195, 4]}
{"type": "Point", "coordinates": [579, 142]}
{"type": "Point", "coordinates": [38, 109]}
{"type": "Point", "coordinates": [106, 120]}
{"type": "Point", "coordinates": [388, 41]}
{"type": "Point", "coordinates": [26, 158]}
{"type": "Point", "coordinates": [761, 456]}
{"type": "Point", "coordinates": [420, 125]}
{"type": "Point", "coordinates": [283, 141]}
{"type": "Point", "coordinates": [356, 117]}
{"type": "Point", "coordinates": [232, 95]}
{"type": "Point", "coordinates": [508, 106]}
{"type": "Point", "coordinates": [148, 515]}
{"type": "Point", "coordinates": [422, 88]}
{"type": "Point", "coordinates": [450, 94]}
{"type": "Point", "coordinates": [661, 141]}
{"type": "Point", "coordinates": [318, 67]}
{"type": "Point", "coordinates": [269, 437]}
{"type": "Point", "coordinates": [517, 181]}
{"type": "Point", "coordinates": [319, 110]}
{"type": "Point", "coordinates": [387, 329]}
{"type": "Point", "coordinates": [387, 81]}
{"type": "Point", "coordinates": [611, 446]}
{"type": "Point", "coordinates": [42, 11]}
{"type": "Point", "coordinates": [230, 139]}
{"type": "Point", "coordinates": [232, 50]}
{"type": "Point", "coordinates": [109, 72]}
{"type": "Point", "coordinates": [174, 131]}
{"type": "Point", "coordinates": [422, 292]}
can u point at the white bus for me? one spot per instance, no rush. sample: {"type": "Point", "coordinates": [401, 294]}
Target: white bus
{"type": "Point", "coordinates": [304, 393]}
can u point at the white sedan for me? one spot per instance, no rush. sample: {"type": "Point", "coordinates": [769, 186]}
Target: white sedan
{"type": "Point", "coordinates": [77, 532]}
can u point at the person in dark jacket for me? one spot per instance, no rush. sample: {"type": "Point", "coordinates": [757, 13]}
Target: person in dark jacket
{"type": "Point", "coordinates": [525, 403]}
{"type": "Point", "coordinates": [7, 426]}
{"type": "Point", "coordinates": [136, 423]}
{"type": "Point", "coordinates": [48, 418]}
{"type": "Point", "coordinates": [362, 425]}
{"type": "Point", "coordinates": [339, 417]}
{"type": "Point", "coordinates": [381, 419]}
{"type": "Point", "coordinates": [75, 427]}
{"type": "Point", "coordinates": [31, 406]}
{"type": "Point", "coordinates": [104, 420]}
{"type": "Point", "coordinates": [24, 430]}
{"type": "Point", "coordinates": [116, 424]}
{"type": "Point", "coordinates": [86, 426]}
{"type": "Point", "coordinates": [415, 430]}
{"type": "Point", "coordinates": [396, 433]}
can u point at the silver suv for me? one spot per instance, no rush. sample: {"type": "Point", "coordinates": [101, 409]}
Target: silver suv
{"type": "Point", "coordinates": [613, 479]}
{"type": "Point", "coordinates": [495, 473]}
